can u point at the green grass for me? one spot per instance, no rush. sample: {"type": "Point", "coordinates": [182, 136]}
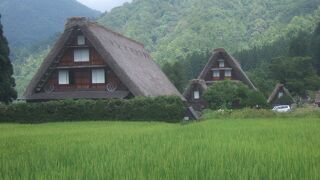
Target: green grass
{"type": "Point", "coordinates": [212, 149]}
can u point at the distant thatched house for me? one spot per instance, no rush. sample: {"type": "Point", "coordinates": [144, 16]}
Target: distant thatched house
{"type": "Point", "coordinates": [317, 99]}
{"type": "Point", "coordinates": [92, 62]}
{"type": "Point", "coordinates": [280, 96]}
{"type": "Point", "coordinates": [221, 66]}
{"type": "Point", "coordinates": [194, 92]}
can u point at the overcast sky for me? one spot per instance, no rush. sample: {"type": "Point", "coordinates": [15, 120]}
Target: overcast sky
{"type": "Point", "coordinates": [103, 5]}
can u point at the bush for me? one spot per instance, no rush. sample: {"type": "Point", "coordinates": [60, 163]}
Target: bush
{"type": "Point", "coordinates": [230, 95]}
{"type": "Point", "coordinates": [169, 109]}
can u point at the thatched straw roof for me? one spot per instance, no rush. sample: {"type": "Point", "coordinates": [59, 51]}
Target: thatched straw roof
{"type": "Point", "coordinates": [126, 57]}
{"type": "Point", "coordinates": [276, 91]}
{"type": "Point", "coordinates": [192, 84]}
{"type": "Point", "coordinates": [221, 53]}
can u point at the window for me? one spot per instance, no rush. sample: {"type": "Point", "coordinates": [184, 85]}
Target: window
{"type": "Point", "coordinates": [98, 76]}
{"type": "Point", "coordinates": [216, 73]}
{"type": "Point", "coordinates": [81, 55]}
{"type": "Point", "coordinates": [227, 73]}
{"type": "Point", "coordinates": [196, 95]}
{"type": "Point", "coordinates": [63, 77]}
{"type": "Point", "coordinates": [221, 64]}
{"type": "Point", "coordinates": [280, 94]}
{"type": "Point", "coordinates": [81, 40]}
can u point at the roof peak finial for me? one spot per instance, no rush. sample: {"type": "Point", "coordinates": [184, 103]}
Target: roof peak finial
{"type": "Point", "coordinates": [74, 21]}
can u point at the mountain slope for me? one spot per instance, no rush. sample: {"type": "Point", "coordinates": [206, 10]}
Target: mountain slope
{"type": "Point", "coordinates": [31, 21]}
{"type": "Point", "coordinates": [172, 28]}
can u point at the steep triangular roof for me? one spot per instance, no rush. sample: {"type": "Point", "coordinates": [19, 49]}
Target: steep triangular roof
{"type": "Point", "coordinates": [276, 91]}
{"type": "Point", "coordinates": [202, 84]}
{"type": "Point", "coordinates": [221, 53]}
{"type": "Point", "coordinates": [126, 57]}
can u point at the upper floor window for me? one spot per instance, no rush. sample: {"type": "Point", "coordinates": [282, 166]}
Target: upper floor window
{"type": "Point", "coordinates": [227, 73]}
{"type": "Point", "coordinates": [81, 55]}
{"type": "Point", "coordinates": [221, 64]}
{"type": "Point", "coordinates": [98, 76]}
{"type": "Point", "coordinates": [216, 73]}
{"type": "Point", "coordinates": [64, 77]}
{"type": "Point", "coordinates": [196, 95]}
{"type": "Point", "coordinates": [81, 40]}
{"type": "Point", "coordinates": [280, 94]}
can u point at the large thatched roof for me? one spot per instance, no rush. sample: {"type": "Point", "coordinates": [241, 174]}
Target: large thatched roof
{"type": "Point", "coordinates": [221, 53]}
{"type": "Point", "coordinates": [276, 91]}
{"type": "Point", "coordinates": [126, 57]}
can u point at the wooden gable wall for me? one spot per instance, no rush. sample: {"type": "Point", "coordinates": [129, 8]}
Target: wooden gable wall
{"type": "Point", "coordinates": [80, 73]}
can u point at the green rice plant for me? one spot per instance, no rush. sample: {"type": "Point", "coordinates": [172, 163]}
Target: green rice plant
{"type": "Point", "coordinates": [225, 148]}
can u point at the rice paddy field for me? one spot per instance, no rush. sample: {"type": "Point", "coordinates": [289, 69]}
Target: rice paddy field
{"type": "Point", "coordinates": [211, 149]}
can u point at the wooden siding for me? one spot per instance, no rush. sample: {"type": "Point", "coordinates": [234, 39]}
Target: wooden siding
{"type": "Point", "coordinates": [197, 104]}
{"type": "Point", "coordinates": [80, 73]}
{"type": "Point", "coordinates": [209, 75]}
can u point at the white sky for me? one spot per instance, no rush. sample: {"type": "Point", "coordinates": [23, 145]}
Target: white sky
{"type": "Point", "coordinates": [103, 5]}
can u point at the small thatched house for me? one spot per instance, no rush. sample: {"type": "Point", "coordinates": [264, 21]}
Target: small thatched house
{"type": "Point", "coordinates": [221, 66]}
{"type": "Point", "coordinates": [317, 99]}
{"type": "Point", "coordinates": [92, 62]}
{"type": "Point", "coordinates": [280, 96]}
{"type": "Point", "coordinates": [194, 92]}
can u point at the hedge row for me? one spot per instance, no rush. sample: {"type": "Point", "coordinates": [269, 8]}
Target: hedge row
{"type": "Point", "coordinates": [169, 109]}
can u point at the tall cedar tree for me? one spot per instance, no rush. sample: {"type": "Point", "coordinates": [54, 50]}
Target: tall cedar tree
{"type": "Point", "coordinates": [315, 48]}
{"type": "Point", "coordinates": [7, 83]}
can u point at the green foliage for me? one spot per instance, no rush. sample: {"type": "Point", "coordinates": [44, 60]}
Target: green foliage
{"type": "Point", "coordinates": [297, 73]}
{"type": "Point", "coordinates": [7, 83]}
{"type": "Point", "coordinates": [29, 22]}
{"type": "Point", "coordinates": [172, 29]}
{"type": "Point", "coordinates": [176, 73]}
{"type": "Point", "coordinates": [315, 46]}
{"type": "Point", "coordinates": [229, 94]}
{"type": "Point", "coordinates": [225, 148]}
{"type": "Point", "coordinates": [170, 109]}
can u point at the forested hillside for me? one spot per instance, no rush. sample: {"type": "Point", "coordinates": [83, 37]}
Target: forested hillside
{"type": "Point", "coordinates": [173, 28]}
{"type": "Point", "coordinates": [31, 21]}
{"type": "Point", "coordinates": [186, 31]}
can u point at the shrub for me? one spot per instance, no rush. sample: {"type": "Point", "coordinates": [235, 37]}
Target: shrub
{"type": "Point", "coordinates": [229, 94]}
{"type": "Point", "coordinates": [169, 109]}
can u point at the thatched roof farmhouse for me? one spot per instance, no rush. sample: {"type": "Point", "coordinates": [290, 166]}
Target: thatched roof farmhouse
{"type": "Point", "coordinates": [93, 62]}
{"type": "Point", "coordinates": [221, 66]}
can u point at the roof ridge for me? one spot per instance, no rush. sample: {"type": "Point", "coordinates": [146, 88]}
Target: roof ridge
{"type": "Point", "coordinates": [116, 33]}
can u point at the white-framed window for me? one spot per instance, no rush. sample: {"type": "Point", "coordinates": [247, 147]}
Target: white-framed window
{"type": "Point", "coordinates": [64, 77]}
{"type": "Point", "coordinates": [227, 73]}
{"type": "Point", "coordinates": [216, 73]}
{"type": "Point", "coordinates": [221, 64]}
{"type": "Point", "coordinates": [81, 55]}
{"type": "Point", "coordinates": [81, 40]}
{"type": "Point", "coordinates": [196, 95]}
{"type": "Point", "coordinates": [280, 94]}
{"type": "Point", "coordinates": [98, 76]}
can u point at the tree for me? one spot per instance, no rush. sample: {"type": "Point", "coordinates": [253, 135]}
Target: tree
{"type": "Point", "coordinates": [176, 73]}
{"type": "Point", "coordinates": [315, 46]}
{"type": "Point", "coordinates": [230, 94]}
{"type": "Point", "coordinates": [299, 45]}
{"type": "Point", "coordinates": [7, 83]}
{"type": "Point", "coordinates": [296, 73]}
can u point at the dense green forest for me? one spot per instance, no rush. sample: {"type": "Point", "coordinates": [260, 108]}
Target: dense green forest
{"type": "Point", "coordinates": [181, 35]}
{"type": "Point", "coordinates": [32, 21]}
{"type": "Point", "coordinates": [173, 28]}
